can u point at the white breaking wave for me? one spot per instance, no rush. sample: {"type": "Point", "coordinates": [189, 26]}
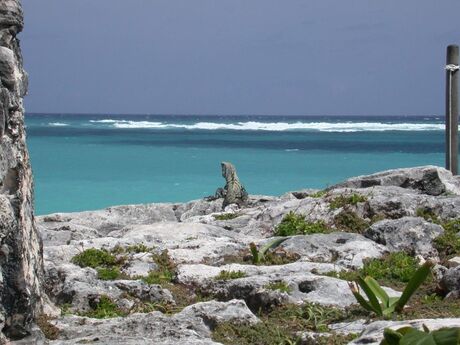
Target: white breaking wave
{"type": "Point", "coordinates": [107, 121]}
{"type": "Point", "coordinates": [281, 126]}
{"type": "Point", "coordinates": [57, 124]}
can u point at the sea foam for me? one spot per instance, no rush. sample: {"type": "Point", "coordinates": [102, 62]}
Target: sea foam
{"type": "Point", "coordinates": [278, 126]}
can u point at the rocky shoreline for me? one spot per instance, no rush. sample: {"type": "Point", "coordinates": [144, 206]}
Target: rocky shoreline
{"type": "Point", "coordinates": [179, 273]}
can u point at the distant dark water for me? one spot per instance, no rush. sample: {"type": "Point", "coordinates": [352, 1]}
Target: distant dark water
{"type": "Point", "coordinates": [86, 162]}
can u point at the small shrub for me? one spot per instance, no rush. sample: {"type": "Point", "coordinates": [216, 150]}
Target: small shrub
{"type": "Point", "coordinates": [278, 286]}
{"type": "Point", "coordinates": [108, 273]}
{"type": "Point", "coordinates": [138, 248]}
{"type": "Point", "coordinates": [104, 308]}
{"type": "Point", "coordinates": [349, 221]}
{"type": "Point", "coordinates": [448, 244]}
{"type": "Point", "coordinates": [296, 224]}
{"type": "Point", "coordinates": [230, 275]}
{"type": "Point", "coordinates": [346, 200]}
{"type": "Point", "coordinates": [94, 258]}
{"type": "Point", "coordinates": [226, 216]}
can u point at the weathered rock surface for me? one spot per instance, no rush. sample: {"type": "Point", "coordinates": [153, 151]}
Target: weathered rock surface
{"type": "Point", "coordinates": [21, 265]}
{"type": "Point", "coordinates": [304, 285]}
{"type": "Point", "coordinates": [204, 241]}
{"type": "Point", "coordinates": [409, 234]}
{"type": "Point", "coordinates": [191, 326]}
{"type": "Point", "coordinates": [450, 281]}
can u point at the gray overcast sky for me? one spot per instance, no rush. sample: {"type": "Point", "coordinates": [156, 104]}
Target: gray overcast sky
{"type": "Point", "coordinates": [363, 57]}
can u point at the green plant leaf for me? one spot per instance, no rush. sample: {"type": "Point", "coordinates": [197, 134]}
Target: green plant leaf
{"type": "Point", "coordinates": [392, 301]}
{"type": "Point", "coordinates": [378, 291]}
{"type": "Point", "coordinates": [391, 337]}
{"type": "Point", "coordinates": [271, 244]}
{"type": "Point", "coordinates": [371, 296]}
{"type": "Point", "coordinates": [418, 278]}
{"type": "Point", "coordinates": [363, 302]}
{"type": "Point", "coordinates": [446, 336]}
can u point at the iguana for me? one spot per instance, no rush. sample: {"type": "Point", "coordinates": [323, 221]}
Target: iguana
{"type": "Point", "coordinates": [233, 192]}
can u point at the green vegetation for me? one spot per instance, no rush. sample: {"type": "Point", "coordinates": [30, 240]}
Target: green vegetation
{"type": "Point", "coordinates": [349, 221]}
{"type": "Point", "coordinates": [104, 308]}
{"type": "Point", "coordinates": [226, 216]}
{"type": "Point", "coordinates": [296, 224]}
{"type": "Point", "coordinates": [398, 266]}
{"type": "Point", "coordinates": [428, 215]}
{"type": "Point", "coordinates": [393, 269]}
{"type": "Point", "coordinates": [139, 248]}
{"type": "Point", "coordinates": [94, 258]}
{"type": "Point", "coordinates": [278, 286]}
{"type": "Point", "coordinates": [259, 255]}
{"type": "Point", "coordinates": [378, 300]}
{"type": "Point", "coordinates": [346, 200]}
{"type": "Point", "coordinates": [111, 273]}
{"type": "Point", "coordinates": [134, 248]}
{"type": "Point", "coordinates": [412, 336]}
{"type": "Point", "coordinates": [318, 194]}
{"type": "Point", "coordinates": [281, 325]}
{"type": "Point", "coordinates": [165, 271]}
{"type": "Point", "coordinates": [50, 331]}
{"type": "Point", "coordinates": [230, 275]}
{"type": "Point", "coordinates": [158, 277]}
{"type": "Point", "coordinates": [448, 244]}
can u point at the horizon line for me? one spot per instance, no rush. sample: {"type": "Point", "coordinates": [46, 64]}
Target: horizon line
{"type": "Point", "coordinates": [191, 114]}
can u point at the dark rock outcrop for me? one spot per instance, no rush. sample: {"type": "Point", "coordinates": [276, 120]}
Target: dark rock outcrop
{"type": "Point", "coordinates": [431, 180]}
{"type": "Point", "coordinates": [21, 263]}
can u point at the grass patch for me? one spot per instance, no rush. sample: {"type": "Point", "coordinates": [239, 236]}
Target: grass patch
{"type": "Point", "coordinates": [448, 244]}
{"type": "Point", "coordinates": [94, 258]}
{"type": "Point", "coordinates": [104, 308]}
{"type": "Point", "coordinates": [296, 224]}
{"type": "Point", "coordinates": [280, 325]}
{"type": "Point", "coordinates": [349, 221]}
{"type": "Point", "coordinates": [393, 269]}
{"type": "Point", "coordinates": [166, 271]}
{"type": "Point", "coordinates": [158, 277]}
{"type": "Point", "coordinates": [427, 305]}
{"type": "Point", "coordinates": [278, 286]}
{"type": "Point", "coordinates": [111, 273]}
{"type": "Point", "coordinates": [230, 275]}
{"type": "Point", "coordinates": [346, 200]}
{"type": "Point", "coordinates": [226, 216]}
{"type": "Point", "coordinates": [50, 331]}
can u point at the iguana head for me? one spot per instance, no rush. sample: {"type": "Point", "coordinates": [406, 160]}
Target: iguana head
{"type": "Point", "coordinates": [228, 171]}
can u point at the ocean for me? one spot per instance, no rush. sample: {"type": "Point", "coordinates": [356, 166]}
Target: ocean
{"type": "Point", "coordinates": [87, 162]}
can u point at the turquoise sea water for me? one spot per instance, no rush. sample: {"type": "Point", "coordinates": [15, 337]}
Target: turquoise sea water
{"type": "Point", "coordinates": [84, 162]}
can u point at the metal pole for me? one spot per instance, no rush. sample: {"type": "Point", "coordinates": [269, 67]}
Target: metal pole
{"type": "Point", "coordinates": [452, 109]}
